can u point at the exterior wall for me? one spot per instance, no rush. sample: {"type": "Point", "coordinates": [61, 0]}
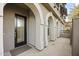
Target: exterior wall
{"type": "Point", "coordinates": [9, 26]}
{"type": "Point", "coordinates": [41, 28]}
{"type": "Point", "coordinates": [58, 28]}
{"type": "Point", "coordinates": [31, 28]}
{"type": "Point", "coordinates": [75, 38]}
{"type": "Point", "coordinates": [39, 44]}
{"type": "Point", "coordinates": [50, 26]}
{"type": "Point", "coordinates": [55, 10]}
{"type": "Point", "coordinates": [46, 15]}
{"type": "Point", "coordinates": [55, 28]}
{"type": "Point", "coordinates": [45, 25]}
{"type": "Point", "coordinates": [1, 29]}
{"type": "Point", "coordinates": [41, 24]}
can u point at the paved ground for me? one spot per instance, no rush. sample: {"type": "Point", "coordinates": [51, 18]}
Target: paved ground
{"type": "Point", "coordinates": [61, 47]}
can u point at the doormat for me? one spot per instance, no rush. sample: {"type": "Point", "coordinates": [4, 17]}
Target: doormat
{"type": "Point", "coordinates": [19, 50]}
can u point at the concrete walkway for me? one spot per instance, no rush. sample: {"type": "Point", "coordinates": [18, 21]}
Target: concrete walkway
{"type": "Point", "coordinates": [61, 47]}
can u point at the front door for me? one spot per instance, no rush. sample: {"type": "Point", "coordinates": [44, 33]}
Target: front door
{"type": "Point", "coordinates": [20, 30]}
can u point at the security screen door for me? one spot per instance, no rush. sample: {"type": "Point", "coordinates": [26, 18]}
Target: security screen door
{"type": "Point", "coordinates": [20, 30]}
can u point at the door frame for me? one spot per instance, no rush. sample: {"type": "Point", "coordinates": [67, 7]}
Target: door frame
{"type": "Point", "coordinates": [25, 34]}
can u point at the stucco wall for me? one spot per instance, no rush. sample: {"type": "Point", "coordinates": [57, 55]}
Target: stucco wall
{"type": "Point", "coordinates": [1, 36]}
{"type": "Point", "coordinates": [1, 29]}
{"type": "Point", "coordinates": [50, 26]}
{"type": "Point", "coordinates": [31, 29]}
{"type": "Point", "coordinates": [44, 12]}
{"type": "Point", "coordinates": [58, 28]}
{"type": "Point", "coordinates": [45, 25]}
{"type": "Point", "coordinates": [75, 39]}
{"type": "Point", "coordinates": [41, 26]}
{"type": "Point", "coordinates": [55, 28]}
{"type": "Point", "coordinates": [9, 26]}
{"type": "Point", "coordinates": [46, 15]}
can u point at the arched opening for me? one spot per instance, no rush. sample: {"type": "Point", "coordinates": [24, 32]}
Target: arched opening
{"type": "Point", "coordinates": [19, 21]}
{"type": "Point", "coordinates": [50, 29]}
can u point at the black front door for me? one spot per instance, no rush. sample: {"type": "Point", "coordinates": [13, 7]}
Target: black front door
{"type": "Point", "coordinates": [20, 30]}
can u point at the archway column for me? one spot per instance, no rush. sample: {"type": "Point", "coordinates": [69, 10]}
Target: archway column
{"type": "Point", "coordinates": [54, 29]}
{"type": "Point", "coordinates": [40, 29]}
{"type": "Point", "coordinates": [46, 28]}
{"type": "Point", "coordinates": [46, 35]}
{"type": "Point", "coordinates": [41, 36]}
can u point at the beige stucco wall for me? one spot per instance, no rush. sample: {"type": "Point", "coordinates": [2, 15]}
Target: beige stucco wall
{"type": "Point", "coordinates": [41, 25]}
{"type": "Point", "coordinates": [9, 26]}
{"type": "Point", "coordinates": [45, 25]}
{"type": "Point", "coordinates": [1, 29]}
{"type": "Point", "coordinates": [75, 38]}
{"type": "Point", "coordinates": [50, 26]}
{"type": "Point", "coordinates": [31, 28]}
{"type": "Point", "coordinates": [59, 28]}
{"type": "Point", "coordinates": [39, 44]}
{"type": "Point", "coordinates": [55, 32]}
{"type": "Point", "coordinates": [46, 15]}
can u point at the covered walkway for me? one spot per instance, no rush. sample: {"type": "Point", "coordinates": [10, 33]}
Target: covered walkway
{"type": "Point", "coordinates": [61, 47]}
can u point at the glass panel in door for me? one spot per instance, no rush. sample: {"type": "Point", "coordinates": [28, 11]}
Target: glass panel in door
{"type": "Point", "coordinates": [20, 31]}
